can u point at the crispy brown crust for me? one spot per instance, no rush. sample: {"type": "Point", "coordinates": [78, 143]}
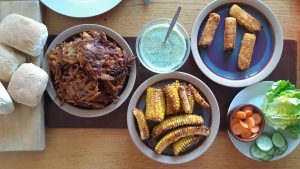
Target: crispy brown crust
{"type": "Point", "coordinates": [229, 33]}
{"type": "Point", "coordinates": [209, 30]}
{"type": "Point", "coordinates": [89, 71]}
{"type": "Point", "coordinates": [246, 51]}
{"type": "Point", "coordinates": [245, 19]}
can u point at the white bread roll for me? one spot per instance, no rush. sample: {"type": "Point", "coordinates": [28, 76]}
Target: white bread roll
{"type": "Point", "coordinates": [9, 61]}
{"type": "Point", "coordinates": [6, 104]}
{"type": "Point", "coordinates": [28, 84]}
{"type": "Point", "coordinates": [24, 34]}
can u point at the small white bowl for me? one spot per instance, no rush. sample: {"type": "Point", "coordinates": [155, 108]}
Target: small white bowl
{"type": "Point", "coordinates": [84, 112]}
{"type": "Point", "coordinates": [214, 118]}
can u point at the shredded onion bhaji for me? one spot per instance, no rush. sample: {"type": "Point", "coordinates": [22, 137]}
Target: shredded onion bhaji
{"type": "Point", "coordinates": [89, 71]}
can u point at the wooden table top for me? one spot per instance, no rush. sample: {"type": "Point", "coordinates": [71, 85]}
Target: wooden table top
{"type": "Point", "coordinates": [113, 148]}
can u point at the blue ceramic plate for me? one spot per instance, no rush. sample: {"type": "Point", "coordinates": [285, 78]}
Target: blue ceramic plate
{"type": "Point", "coordinates": [81, 8]}
{"type": "Point", "coordinates": [221, 66]}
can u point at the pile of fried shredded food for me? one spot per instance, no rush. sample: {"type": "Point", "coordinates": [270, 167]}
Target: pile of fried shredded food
{"type": "Point", "coordinates": [90, 71]}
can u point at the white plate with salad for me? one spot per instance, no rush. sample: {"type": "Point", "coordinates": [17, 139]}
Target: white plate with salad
{"type": "Point", "coordinates": [280, 104]}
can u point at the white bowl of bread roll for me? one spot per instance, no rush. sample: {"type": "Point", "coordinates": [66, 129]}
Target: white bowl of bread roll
{"type": "Point", "coordinates": [73, 98]}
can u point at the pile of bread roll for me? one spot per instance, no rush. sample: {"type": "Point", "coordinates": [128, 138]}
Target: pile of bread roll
{"type": "Point", "coordinates": [21, 36]}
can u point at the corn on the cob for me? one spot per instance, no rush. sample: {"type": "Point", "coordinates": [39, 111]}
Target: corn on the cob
{"type": "Point", "coordinates": [155, 104]}
{"type": "Point", "coordinates": [174, 122]}
{"type": "Point", "coordinates": [191, 98]}
{"type": "Point", "coordinates": [171, 92]}
{"type": "Point", "coordinates": [184, 143]}
{"type": "Point", "coordinates": [169, 107]}
{"type": "Point", "coordinates": [142, 124]}
{"type": "Point", "coordinates": [185, 104]}
{"type": "Point", "coordinates": [179, 133]}
{"type": "Point", "coordinates": [197, 97]}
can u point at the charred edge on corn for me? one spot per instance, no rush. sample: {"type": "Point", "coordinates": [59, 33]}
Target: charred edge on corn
{"type": "Point", "coordinates": [191, 98]}
{"type": "Point", "coordinates": [171, 92]}
{"type": "Point", "coordinates": [142, 124]}
{"type": "Point", "coordinates": [198, 97]}
{"type": "Point", "coordinates": [175, 135]}
{"type": "Point", "coordinates": [176, 121]}
{"type": "Point", "coordinates": [184, 143]}
{"type": "Point", "coordinates": [185, 104]}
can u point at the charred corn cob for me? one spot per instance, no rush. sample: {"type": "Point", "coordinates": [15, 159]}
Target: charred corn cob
{"type": "Point", "coordinates": [171, 92]}
{"type": "Point", "coordinates": [185, 104]}
{"type": "Point", "coordinates": [175, 135]}
{"type": "Point", "coordinates": [191, 98]}
{"type": "Point", "coordinates": [197, 97]}
{"type": "Point", "coordinates": [142, 124]}
{"type": "Point", "coordinates": [169, 107]}
{"type": "Point", "coordinates": [174, 122]}
{"type": "Point", "coordinates": [184, 143]}
{"type": "Point", "coordinates": [155, 104]}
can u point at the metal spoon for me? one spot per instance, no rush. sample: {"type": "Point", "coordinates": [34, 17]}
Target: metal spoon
{"type": "Point", "coordinates": [175, 17]}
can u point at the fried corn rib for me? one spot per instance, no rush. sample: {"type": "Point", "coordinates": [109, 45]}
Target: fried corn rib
{"type": "Point", "coordinates": [245, 19]}
{"type": "Point", "coordinates": [190, 97]}
{"type": "Point", "coordinates": [197, 97]}
{"type": "Point", "coordinates": [246, 51]}
{"type": "Point", "coordinates": [171, 92]}
{"type": "Point", "coordinates": [209, 30]}
{"type": "Point", "coordinates": [142, 124]}
{"type": "Point", "coordinates": [175, 135]}
{"type": "Point", "coordinates": [155, 105]}
{"type": "Point", "coordinates": [185, 104]}
{"type": "Point", "coordinates": [174, 122]}
{"type": "Point", "coordinates": [184, 143]}
{"type": "Point", "coordinates": [229, 33]}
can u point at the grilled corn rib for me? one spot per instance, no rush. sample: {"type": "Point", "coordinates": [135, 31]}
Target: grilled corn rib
{"type": "Point", "coordinates": [191, 98]}
{"type": "Point", "coordinates": [155, 104]}
{"type": "Point", "coordinates": [142, 124]}
{"type": "Point", "coordinates": [197, 97]}
{"type": "Point", "coordinates": [169, 107]}
{"type": "Point", "coordinates": [171, 92]}
{"type": "Point", "coordinates": [184, 143]}
{"type": "Point", "coordinates": [174, 122]}
{"type": "Point", "coordinates": [185, 104]}
{"type": "Point", "coordinates": [175, 135]}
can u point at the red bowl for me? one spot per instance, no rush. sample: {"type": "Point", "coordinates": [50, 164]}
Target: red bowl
{"type": "Point", "coordinates": [255, 110]}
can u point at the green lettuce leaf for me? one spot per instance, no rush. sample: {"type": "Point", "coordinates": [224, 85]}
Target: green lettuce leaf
{"type": "Point", "coordinates": [281, 107]}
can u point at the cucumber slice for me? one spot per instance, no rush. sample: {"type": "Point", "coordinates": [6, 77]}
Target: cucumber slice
{"type": "Point", "coordinates": [277, 151]}
{"type": "Point", "coordinates": [278, 140]}
{"type": "Point", "coordinates": [264, 143]}
{"type": "Point", "coordinates": [267, 158]}
{"type": "Point", "coordinates": [256, 152]}
{"type": "Point", "coordinates": [283, 149]}
{"type": "Point", "coordinates": [272, 151]}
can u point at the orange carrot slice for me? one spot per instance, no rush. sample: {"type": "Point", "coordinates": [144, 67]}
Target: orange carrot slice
{"type": "Point", "coordinates": [250, 122]}
{"type": "Point", "coordinates": [237, 128]}
{"type": "Point", "coordinates": [240, 115]}
{"type": "Point", "coordinates": [257, 118]}
{"type": "Point", "coordinates": [247, 108]}
{"type": "Point", "coordinates": [244, 124]}
{"type": "Point", "coordinates": [254, 129]}
{"type": "Point", "coordinates": [248, 113]}
{"type": "Point", "coordinates": [246, 133]}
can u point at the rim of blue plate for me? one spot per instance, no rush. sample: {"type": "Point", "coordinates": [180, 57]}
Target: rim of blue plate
{"type": "Point", "coordinates": [255, 77]}
{"type": "Point", "coordinates": [79, 8]}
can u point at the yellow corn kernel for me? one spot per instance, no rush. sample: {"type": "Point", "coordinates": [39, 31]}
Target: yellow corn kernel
{"type": "Point", "coordinates": [174, 122]}
{"type": "Point", "coordinates": [185, 104]}
{"type": "Point", "coordinates": [184, 143]}
{"type": "Point", "coordinates": [171, 92]}
{"type": "Point", "coordinates": [197, 97]}
{"type": "Point", "coordinates": [155, 104]}
{"type": "Point", "coordinates": [169, 107]}
{"type": "Point", "coordinates": [142, 124]}
{"type": "Point", "coordinates": [175, 135]}
{"type": "Point", "coordinates": [191, 98]}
